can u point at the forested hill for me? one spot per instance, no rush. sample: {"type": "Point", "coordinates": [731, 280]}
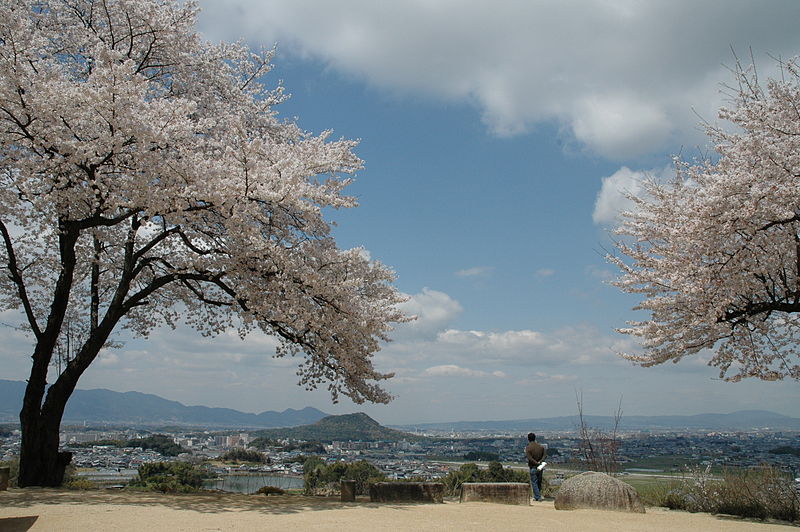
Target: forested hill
{"type": "Point", "coordinates": [134, 408]}
{"type": "Point", "coordinates": [356, 427]}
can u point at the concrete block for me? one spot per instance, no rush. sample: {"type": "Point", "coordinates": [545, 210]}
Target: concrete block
{"type": "Point", "coordinates": [348, 490]}
{"type": "Point", "coordinates": [406, 492]}
{"type": "Point", "coordinates": [498, 492]}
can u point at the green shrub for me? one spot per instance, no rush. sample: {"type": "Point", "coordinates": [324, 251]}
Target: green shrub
{"type": "Point", "coordinates": [271, 490]}
{"type": "Point", "coordinates": [311, 463]}
{"type": "Point", "coordinates": [495, 472]}
{"type": "Point", "coordinates": [169, 477]}
{"type": "Point", "coordinates": [72, 481]}
{"type": "Point", "coordinates": [786, 449]}
{"type": "Point", "coordinates": [322, 478]}
{"type": "Point", "coordinates": [660, 493]}
{"type": "Point", "coordinates": [158, 442]}
{"type": "Point", "coordinates": [242, 455]}
{"type": "Point", "coordinates": [481, 456]}
{"type": "Point", "coordinates": [78, 483]}
{"type": "Point", "coordinates": [105, 443]}
{"type": "Point", "coordinates": [761, 493]}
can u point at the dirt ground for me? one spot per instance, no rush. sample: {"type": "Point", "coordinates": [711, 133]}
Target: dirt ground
{"type": "Point", "coordinates": [36, 509]}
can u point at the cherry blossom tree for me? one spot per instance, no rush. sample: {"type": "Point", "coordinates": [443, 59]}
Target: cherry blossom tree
{"type": "Point", "coordinates": [145, 178]}
{"type": "Point", "coordinates": [716, 251]}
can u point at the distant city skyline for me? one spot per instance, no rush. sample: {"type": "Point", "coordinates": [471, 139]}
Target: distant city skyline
{"type": "Point", "coordinates": [498, 142]}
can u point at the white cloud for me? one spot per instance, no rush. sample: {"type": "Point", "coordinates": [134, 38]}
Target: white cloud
{"type": "Point", "coordinates": [502, 350]}
{"type": "Point", "coordinates": [613, 198]}
{"type": "Point", "coordinates": [502, 341]}
{"type": "Point", "coordinates": [434, 310]}
{"type": "Point", "coordinates": [17, 346]}
{"type": "Point", "coordinates": [621, 77]}
{"type": "Point", "coordinates": [107, 358]}
{"type": "Point", "coordinates": [539, 377]}
{"type": "Point", "coordinates": [545, 272]}
{"type": "Point", "coordinates": [478, 271]}
{"type": "Point", "coordinates": [603, 274]}
{"type": "Point", "coordinates": [451, 370]}
{"type": "Point", "coordinates": [621, 124]}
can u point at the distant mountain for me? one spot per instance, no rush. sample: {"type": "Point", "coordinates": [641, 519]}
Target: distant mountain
{"type": "Point", "coordinates": [740, 421]}
{"type": "Point", "coordinates": [134, 408]}
{"type": "Point", "coordinates": [11, 394]}
{"type": "Point", "coordinates": [356, 427]}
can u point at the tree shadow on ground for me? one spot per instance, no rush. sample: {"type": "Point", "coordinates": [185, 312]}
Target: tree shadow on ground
{"type": "Point", "coordinates": [202, 502]}
{"type": "Point", "coordinates": [17, 524]}
{"type": "Point", "coordinates": [755, 520]}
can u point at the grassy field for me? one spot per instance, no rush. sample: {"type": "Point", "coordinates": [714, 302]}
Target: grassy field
{"type": "Point", "coordinates": [643, 483]}
{"type": "Point", "coordinates": [666, 463]}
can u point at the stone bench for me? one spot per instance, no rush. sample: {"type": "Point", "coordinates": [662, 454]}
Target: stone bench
{"type": "Point", "coordinates": [5, 473]}
{"type": "Point", "coordinates": [348, 490]}
{"type": "Point", "coordinates": [498, 492]}
{"type": "Point", "coordinates": [406, 492]}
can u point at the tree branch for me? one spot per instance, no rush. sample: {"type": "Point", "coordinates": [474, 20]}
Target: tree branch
{"type": "Point", "coordinates": [16, 278]}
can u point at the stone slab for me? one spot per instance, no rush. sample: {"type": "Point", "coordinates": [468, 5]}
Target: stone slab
{"type": "Point", "coordinates": [497, 492]}
{"type": "Point", "coordinates": [348, 491]}
{"type": "Point", "coordinates": [406, 492]}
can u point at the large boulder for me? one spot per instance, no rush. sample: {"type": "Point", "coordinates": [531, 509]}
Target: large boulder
{"type": "Point", "coordinates": [598, 491]}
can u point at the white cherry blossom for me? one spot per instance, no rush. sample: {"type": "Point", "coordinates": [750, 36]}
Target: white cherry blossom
{"type": "Point", "coordinates": [150, 173]}
{"type": "Point", "coordinates": [716, 252]}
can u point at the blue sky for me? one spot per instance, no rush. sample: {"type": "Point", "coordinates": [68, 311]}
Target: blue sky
{"type": "Point", "coordinates": [497, 138]}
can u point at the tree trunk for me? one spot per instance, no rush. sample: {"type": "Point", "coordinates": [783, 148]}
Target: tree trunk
{"type": "Point", "coordinates": [41, 464]}
{"type": "Point", "coordinates": [39, 461]}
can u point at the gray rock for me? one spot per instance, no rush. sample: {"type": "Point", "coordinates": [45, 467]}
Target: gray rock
{"type": "Point", "coordinates": [597, 491]}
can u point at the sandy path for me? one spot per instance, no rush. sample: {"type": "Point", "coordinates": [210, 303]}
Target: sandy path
{"type": "Point", "coordinates": [60, 510]}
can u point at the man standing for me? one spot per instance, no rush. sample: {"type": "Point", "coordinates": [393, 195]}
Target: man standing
{"type": "Point", "coordinates": [535, 454]}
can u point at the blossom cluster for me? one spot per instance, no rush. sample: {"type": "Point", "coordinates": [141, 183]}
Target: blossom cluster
{"type": "Point", "coordinates": [143, 170]}
{"type": "Point", "coordinates": [716, 251]}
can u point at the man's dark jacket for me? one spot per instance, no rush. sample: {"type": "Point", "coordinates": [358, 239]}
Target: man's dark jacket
{"type": "Point", "coordinates": [535, 453]}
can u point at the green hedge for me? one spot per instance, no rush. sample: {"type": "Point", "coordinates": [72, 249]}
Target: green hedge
{"type": "Point", "coordinates": [320, 477]}
{"type": "Point", "coordinates": [495, 472]}
{"type": "Point", "coordinates": [169, 477]}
